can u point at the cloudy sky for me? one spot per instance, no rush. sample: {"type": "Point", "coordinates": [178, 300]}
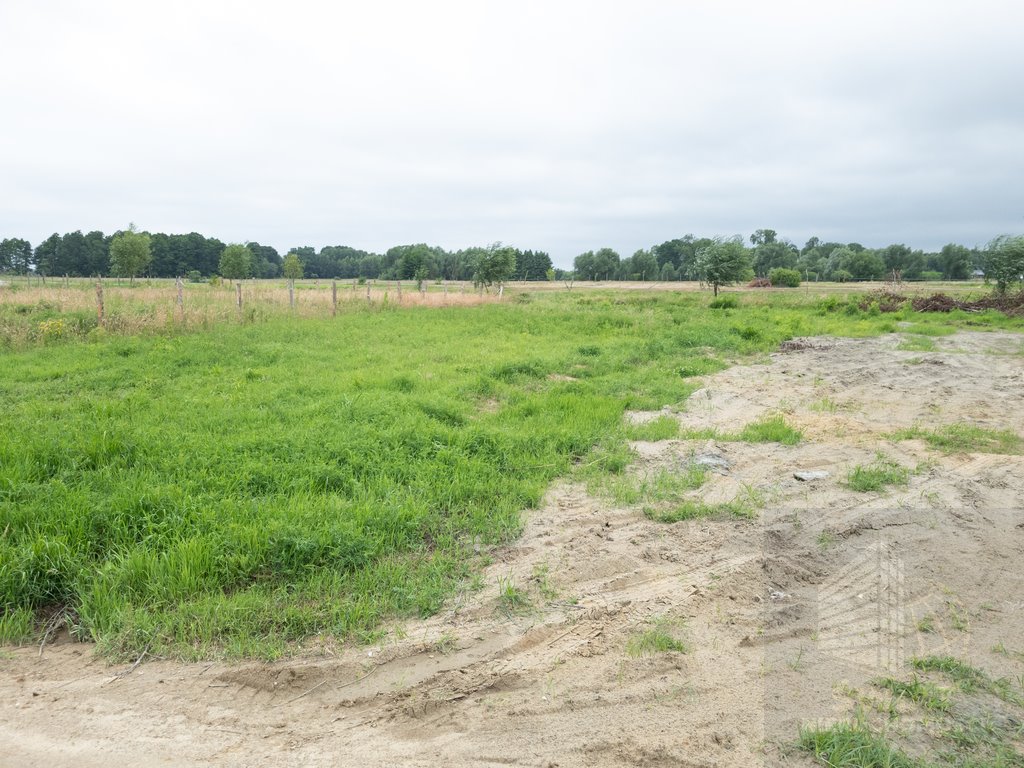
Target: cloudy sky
{"type": "Point", "coordinates": [558, 125]}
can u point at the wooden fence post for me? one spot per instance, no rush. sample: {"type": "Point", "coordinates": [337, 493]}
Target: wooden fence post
{"type": "Point", "coordinates": [181, 298]}
{"type": "Point", "coordinates": [238, 295]}
{"type": "Point", "coordinates": [399, 284]}
{"type": "Point", "coordinates": [334, 298]}
{"type": "Point", "coordinates": [99, 303]}
{"type": "Point", "coordinates": [291, 294]}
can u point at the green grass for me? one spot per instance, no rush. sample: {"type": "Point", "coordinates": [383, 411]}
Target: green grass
{"type": "Point", "coordinates": [240, 487]}
{"type": "Point", "coordinates": [771, 429]}
{"type": "Point", "coordinates": [661, 428]}
{"type": "Point", "coordinates": [661, 637]}
{"type": "Point", "coordinates": [691, 509]}
{"type": "Point", "coordinates": [512, 599]}
{"type": "Point", "coordinates": [965, 438]}
{"type": "Point", "coordinates": [662, 485]}
{"type": "Point", "coordinates": [923, 693]}
{"type": "Point", "coordinates": [878, 476]}
{"type": "Point", "coordinates": [853, 745]}
{"type": "Point", "coordinates": [968, 678]}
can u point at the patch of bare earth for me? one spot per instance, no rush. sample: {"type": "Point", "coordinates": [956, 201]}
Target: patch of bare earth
{"type": "Point", "coordinates": [825, 590]}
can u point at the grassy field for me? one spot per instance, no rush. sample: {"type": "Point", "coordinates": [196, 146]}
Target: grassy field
{"type": "Point", "coordinates": [240, 484]}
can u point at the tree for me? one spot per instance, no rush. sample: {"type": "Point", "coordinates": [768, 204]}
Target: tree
{"type": "Point", "coordinates": [15, 255]}
{"type": "Point", "coordinates": [291, 268]}
{"type": "Point", "coordinates": [644, 266]}
{"type": "Point", "coordinates": [954, 262]}
{"type": "Point", "coordinates": [723, 262]}
{"type": "Point", "coordinates": [1004, 261]}
{"type": "Point", "coordinates": [763, 237]}
{"type": "Point", "coordinates": [129, 253]}
{"type": "Point", "coordinates": [863, 264]}
{"type": "Point", "coordinates": [494, 264]}
{"type": "Point", "coordinates": [235, 262]}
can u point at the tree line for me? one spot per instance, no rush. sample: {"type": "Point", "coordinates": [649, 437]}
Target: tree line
{"type": "Point", "coordinates": [194, 255]}
{"type": "Point", "coordinates": [679, 259]}
{"type": "Point", "coordinates": [130, 253]}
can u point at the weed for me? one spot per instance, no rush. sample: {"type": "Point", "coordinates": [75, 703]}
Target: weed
{"type": "Point", "coordinates": [926, 624]}
{"type": "Point", "coordinates": [969, 679]}
{"type": "Point", "coordinates": [965, 438]}
{"type": "Point", "coordinates": [542, 578]}
{"type": "Point", "coordinates": [853, 745]}
{"type": "Point", "coordinates": [659, 638]}
{"type": "Point", "coordinates": [512, 599]}
{"type": "Point", "coordinates": [927, 695]}
{"type": "Point", "coordinates": [875, 477]}
{"type": "Point", "coordinates": [696, 510]}
{"type": "Point", "coordinates": [771, 429]}
{"type": "Point", "coordinates": [917, 343]}
{"type": "Point", "coordinates": [824, 405]}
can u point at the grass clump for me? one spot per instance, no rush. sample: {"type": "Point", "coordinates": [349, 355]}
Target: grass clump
{"type": "Point", "coordinates": [853, 745]}
{"type": "Point", "coordinates": [771, 429]}
{"type": "Point", "coordinates": [512, 599]}
{"type": "Point", "coordinates": [878, 476]}
{"type": "Point", "coordinates": [965, 438]}
{"type": "Point", "coordinates": [969, 679]}
{"type": "Point", "coordinates": [661, 637]}
{"type": "Point", "coordinates": [697, 510]}
{"type": "Point", "coordinates": [925, 694]}
{"type": "Point", "coordinates": [917, 343]}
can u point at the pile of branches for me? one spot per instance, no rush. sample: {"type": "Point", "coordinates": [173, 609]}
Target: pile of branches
{"type": "Point", "coordinates": [760, 282]}
{"type": "Point", "coordinates": [1007, 303]}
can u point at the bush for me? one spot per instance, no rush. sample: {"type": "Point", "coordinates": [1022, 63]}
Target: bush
{"type": "Point", "coordinates": [724, 302]}
{"type": "Point", "coordinates": [842, 276]}
{"type": "Point", "coordinates": [931, 275]}
{"type": "Point", "coordinates": [194, 276]}
{"type": "Point", "coordinates": [784, 278]}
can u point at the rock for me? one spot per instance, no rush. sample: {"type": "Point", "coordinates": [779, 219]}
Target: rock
{"type": "Point", "coordinates": [714, 461]}
{"type": "Point", "coordinates": [817, 474]}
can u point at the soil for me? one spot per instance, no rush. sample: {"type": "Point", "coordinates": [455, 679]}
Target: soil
{"type": "Point", "coordinates": [783, 616]}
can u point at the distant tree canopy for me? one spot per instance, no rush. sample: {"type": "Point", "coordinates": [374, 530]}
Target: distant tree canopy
{"type": "Point", "coordinates": [85, 255]}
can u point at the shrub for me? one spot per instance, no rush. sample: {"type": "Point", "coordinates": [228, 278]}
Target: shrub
{"type": "Point", "coordinates": [724, 301]}
{"type": "Point", "coordinates": [784, 278]}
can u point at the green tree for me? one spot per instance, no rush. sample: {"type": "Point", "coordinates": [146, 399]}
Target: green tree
{"type": "Point", "coordinates": [15, 255]}
{"type": "Point", "coordinates": [1004, 261]}
{"type": "Point", "coordinates": [954, 262]}
{"type": "Point", "coordinates": [129, 253]}
{"type": "Point", "coordinates": [494, 265]}
{"type": "Point", "coordinates": [291, 268]}
{"type": "Point", "coordinates": [724, 261]}
{"type": "Point", "coordinates": [236, 262]}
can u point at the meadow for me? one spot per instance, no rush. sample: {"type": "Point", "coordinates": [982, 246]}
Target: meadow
{"type": "Point", "coordinates": [197, 481]}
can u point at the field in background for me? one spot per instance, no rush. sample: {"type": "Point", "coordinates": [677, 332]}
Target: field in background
{"type": "Point", "coordinates": [65, 309]}
{"type": "Point", "coordinates": [246, 486]}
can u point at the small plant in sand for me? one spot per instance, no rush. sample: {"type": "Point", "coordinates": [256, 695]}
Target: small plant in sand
{"type": "Point", "coordinates": [659, 637]}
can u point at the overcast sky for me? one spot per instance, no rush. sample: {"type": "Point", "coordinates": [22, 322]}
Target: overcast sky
{"type": "Point", "coordinates": [561, 126]}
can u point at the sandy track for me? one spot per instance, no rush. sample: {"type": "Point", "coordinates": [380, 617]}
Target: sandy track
{"type": "Point", "coordinates": [824, 590]}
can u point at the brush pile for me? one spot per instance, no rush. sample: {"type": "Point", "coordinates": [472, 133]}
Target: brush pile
{"type": "Point", "coordinates": [1009, 304]}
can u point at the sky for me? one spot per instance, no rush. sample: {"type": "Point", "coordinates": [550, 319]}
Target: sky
{"type": "Point", "coordinates": [562, 126]}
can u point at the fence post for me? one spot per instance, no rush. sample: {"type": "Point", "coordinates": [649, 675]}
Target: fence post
{"type": "Point", "coordinates": [238, 294]}
{"type": "Point", "coordinates": [181, 298]}
{"type": "Point", "coordinates": [291, 294]}
{"type": "Point", "coordinates": [368, 299]}
{"type": "Point", "coordinates": [99, 303]}
{"type": "Point", "coordinates": [399, 284]}
{"type": "Point", "coordinates": [334, 298]}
